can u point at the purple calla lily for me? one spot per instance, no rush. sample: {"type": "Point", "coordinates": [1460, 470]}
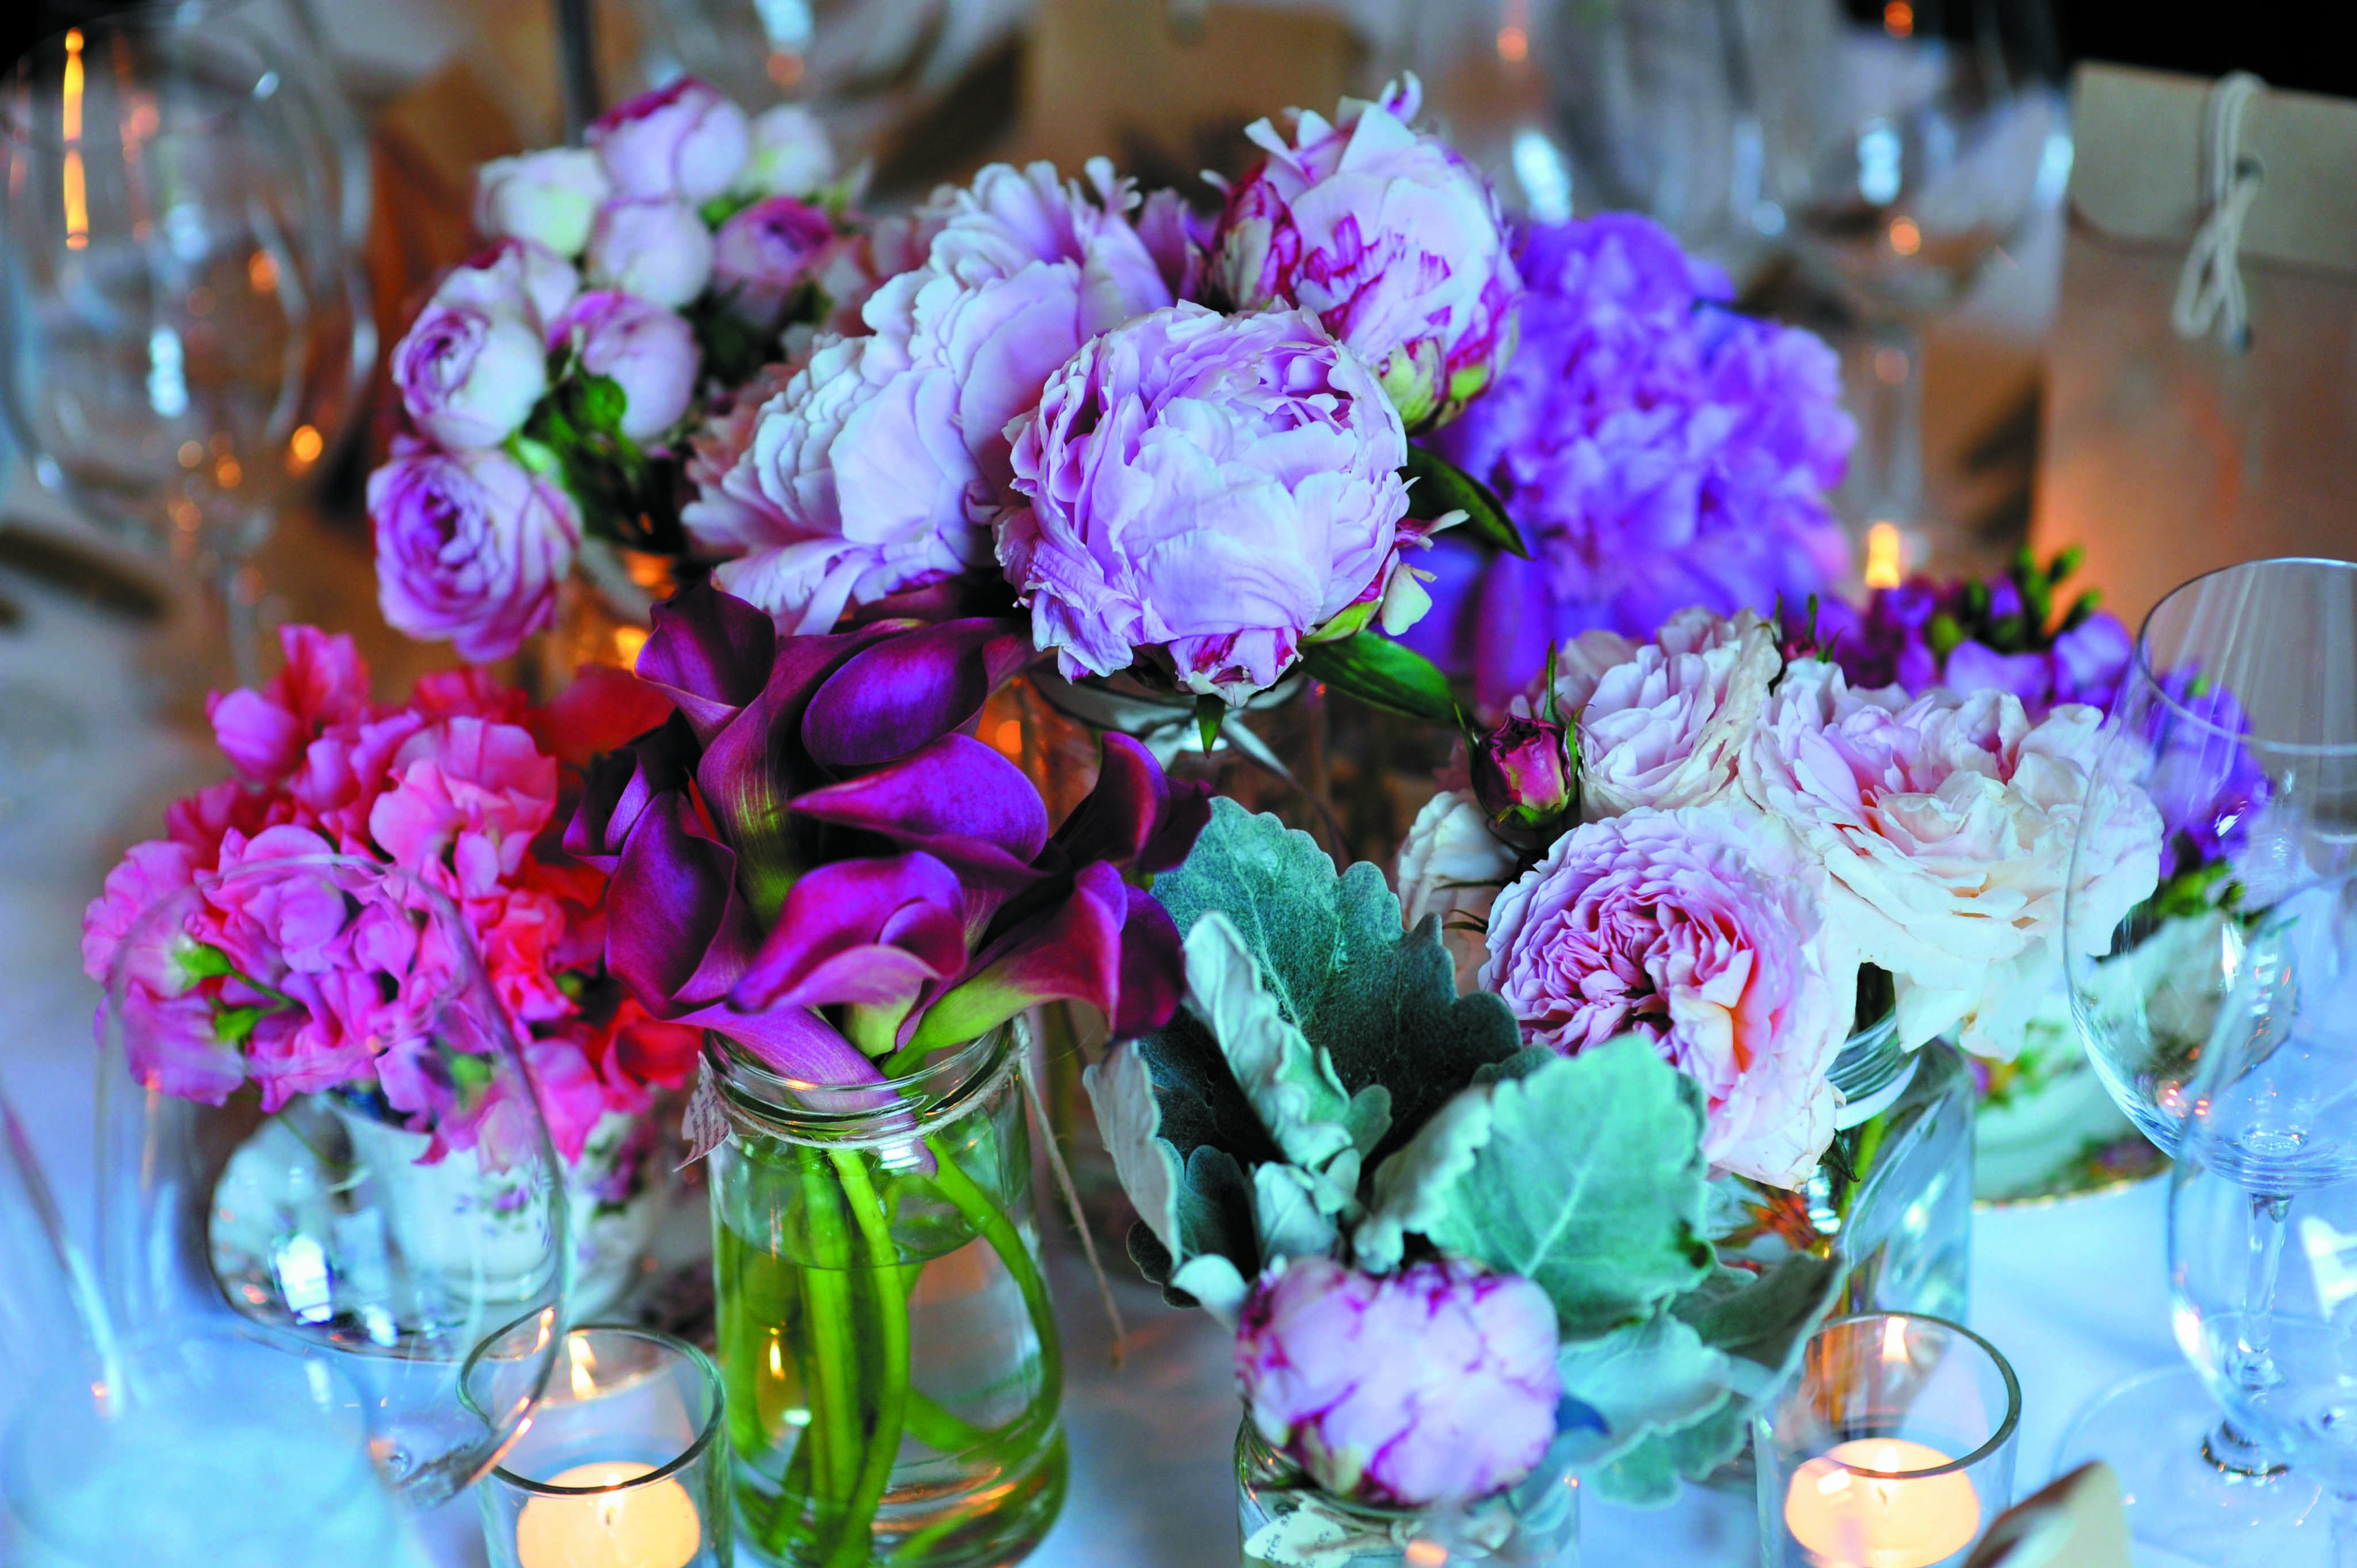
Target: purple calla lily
{"type": "Point", "coordinates": [810, 858]}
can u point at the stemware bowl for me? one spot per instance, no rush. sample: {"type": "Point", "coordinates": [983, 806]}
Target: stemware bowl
{"type": "Point", "coordinates": [177, 328]}
{"type": "Point", "coordinates": [2237, 726]}
{"type": "Point", "coordinates": [316, 1131]}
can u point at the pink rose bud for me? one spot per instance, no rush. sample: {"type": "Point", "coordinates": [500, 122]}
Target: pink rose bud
{"type": "Point", "coordinates": [470, 547]}
{"type": "Point", "coordinates": [470, 376]}
{"type": "Point", "coordinates": [790, 155]}
{"type": "Point", "coordinates": [764, 253]}
{"type": "Point", "coordinates": [660, 250]}
{"type": "Point", "coordinates": [685, 142]}
{"type": "Point", "coordinates": [549, 197]}
{"type": "Point", "coordinates": [1437, 1385]}
{"type": "Point", "coordinates": [1521, 774]}
{"type": "Point", "coordinates": [649, 352]}
{"type": "Point", "coordinates": [522, 277]}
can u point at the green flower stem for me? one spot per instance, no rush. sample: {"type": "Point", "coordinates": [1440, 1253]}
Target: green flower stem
{"type": "Point", "coordinates": [941, 1430]}
{"type": "Point", "coordinates": [990, 1223]}
{"type": "Point", "coordinates": [885, 1375]}
{"type": "Point", "coordinates": [827, 1283]}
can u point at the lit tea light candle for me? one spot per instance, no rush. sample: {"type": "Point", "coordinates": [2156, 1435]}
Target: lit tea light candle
{"type": "Point", "coordinates": [636, 1527]}
{"type": "Point", "coordinates": [1897, 1519]}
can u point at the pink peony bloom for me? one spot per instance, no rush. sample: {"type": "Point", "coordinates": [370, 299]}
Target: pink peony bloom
{"type": "Point", "coordinates": [1436, 1386]}
{"type": "Point", "coordinates": [1213, 488]}
{"type": "Point", "coordinates": [763, 255]}
{"type": "Point", "coordinates": [1665, 727]}
{"type": "Point", "coordinates": [656, 249]}
{"type": "Point", "coordinates": [1386, 235]}
{"type": "Point", "coordinates": [469, 377]}
{"type": "Point", "coordinates": [685, 142]}
{"type": "Point", "coordinates": [1707, 931]}
{"type": "Point", "coordinates": [1947, 823]}
{"type": "Point", "coordinates": [469, 548]}
{"type": "Point", "coordinates": [649, 351]}
{"type": "Point", "coordinates": [548, 197]}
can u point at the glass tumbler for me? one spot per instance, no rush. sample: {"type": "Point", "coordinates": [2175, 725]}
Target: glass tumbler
{"type": "Point", "coordinates": [1893, 1449]}
{"type": "Point", "coordinates": [624, 1464]}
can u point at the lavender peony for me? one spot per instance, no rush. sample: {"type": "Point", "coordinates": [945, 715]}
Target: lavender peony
{"type": "Point", "coordinates": [1658, 452]}
{"type": "Point", "coordinates": [1947, 824]}
{"type": "Point", "coordinates": [883, 465]}
{"type": "Point", "coordinates": [1435, 1386]}
{"type": "Point", "coordinates": [1707, 932]}
{"type": "Point", "coordinates": [685, 142]}
{"type": "Point", "coordinates": [470, 375]}
{"type": "Point", "coordinates": [470, 547]}
{"type": "Point", "coordinates": [1213, 488]}
{"type": "Point", "coordinates": [1388, 237]}
{"type": "Point", "coordinates": [649, 351]}
{"type": "Point", "coordinates": [549, 198]}
{"type": "Point", "coordinates": [659, 250]}
{"type": "Point", "coordinates": [766, 252]}
{"type": "Point", "coordinates": [1452, 867]}
{"type": "Point", "coordinates": [1665, 727]}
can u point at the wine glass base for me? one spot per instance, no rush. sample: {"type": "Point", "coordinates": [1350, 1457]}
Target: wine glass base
{"type": "Point", "coordinates": [2152, 1431]}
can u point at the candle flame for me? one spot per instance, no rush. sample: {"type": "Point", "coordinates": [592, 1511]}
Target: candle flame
{"type": "Point", "coordinates": [1894, 1351]}
{"type": "Point", "coordinates": [77, 197]}
{"type": "Point", "coordinates": [1882, 557]}
{"type": "Point", "coordinates": [584, 1370]}
{"type": "Point", "coordinates": [69, 112]}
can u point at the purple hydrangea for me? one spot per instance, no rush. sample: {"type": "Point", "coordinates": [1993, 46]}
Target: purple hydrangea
{"type": "Point", "coordinates": [1658, 450]}
{"type": "Point", "coordinates": [1436, 1385]}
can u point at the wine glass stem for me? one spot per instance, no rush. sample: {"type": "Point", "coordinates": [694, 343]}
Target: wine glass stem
{"type": "Point", "coordinates": [1892, 487]}
{"type": "Point", "coordinates": [2253, 1366]}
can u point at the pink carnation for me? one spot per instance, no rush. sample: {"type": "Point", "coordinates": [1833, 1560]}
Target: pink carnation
{"type": "Point", "coordinates": [1705, 931]}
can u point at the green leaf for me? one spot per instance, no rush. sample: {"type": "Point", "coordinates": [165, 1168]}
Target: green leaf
{"type": "Point", "coordinates": [1589, 1181]}
{"type": "Point", "coordinates": [601, 402]}
{"type": "Point", "coordinates": [1651, 1382]}
{"type": "Point", "coordinates": [1413, 1187]}
{"type": "Point", "coordinates": [1290, 1084]}
{"type": "Point", "coordinates": [1382, 1005]}
{"type": "Point", "coordinates": [1440, 486]}
{"type": "Point", "coordinates": [1293, 1212]}
{"type": "Point", "coordinates": [1384, 674]}
{"type": "Point", "coordinates": [1121, 1092]}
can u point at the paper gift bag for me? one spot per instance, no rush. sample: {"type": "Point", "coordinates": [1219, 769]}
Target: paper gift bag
{"type": "Point", "coordinates": [2166, 456]}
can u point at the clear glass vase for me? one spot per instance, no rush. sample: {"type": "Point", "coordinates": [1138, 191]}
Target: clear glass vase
{"type": "Point", "coordinates": [1288, 1522]}
{"type": "Point", "coordinates": [884, 1327]}
{"type": "Point", "coordinates": [1894, 1192]}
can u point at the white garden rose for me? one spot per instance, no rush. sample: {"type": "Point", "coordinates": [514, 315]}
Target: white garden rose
{"type": "Point", "coordinates": [1452, 865]}
{"type": "Point", "coordinates": [1664, 728]}
{"type": "Point", "coordinates": [1947, 824]}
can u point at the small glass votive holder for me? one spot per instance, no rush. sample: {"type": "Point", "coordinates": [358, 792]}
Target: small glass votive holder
{"type": "Point", "coordinates": [624, 1464]}
{"type": "Point", "coordinates": [1892, 1448]}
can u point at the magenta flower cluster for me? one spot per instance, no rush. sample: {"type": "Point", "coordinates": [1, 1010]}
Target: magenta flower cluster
{"type": "Point", "coordinates": [281, 976]}
{"type": "Point", "coordinates": [1658, 450]}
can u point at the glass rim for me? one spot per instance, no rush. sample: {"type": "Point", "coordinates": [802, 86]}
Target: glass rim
{"type": "Point", "coordinates": [717, 1415]}
{"type": "Point", "coordinates": [36, 70]}
{"type": "Point", "coordinates": [739, 1075]}
{"type": "Point", "coordinates": [1988, 1448]}
{"type": "Point", "coordinates": [2180, 713]}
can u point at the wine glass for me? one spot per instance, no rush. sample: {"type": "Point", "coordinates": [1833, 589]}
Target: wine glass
{"type": "Point", "coordinates": [1942, 132]}
{"type": "Point", "coordinates": [2263, 1205]}
{"type": "Point", "coordinates": [316, 1129]}
{"type": "Point", "coordinates": [177, 332]}
{"type": "Point", "coordinates": [2237, 721]}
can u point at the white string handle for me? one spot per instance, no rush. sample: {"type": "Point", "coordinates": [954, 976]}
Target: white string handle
{"type": "Point", "coordinates": [2209, 290]}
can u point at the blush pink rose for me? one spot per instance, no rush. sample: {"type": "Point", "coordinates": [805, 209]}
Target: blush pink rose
{"type": "Point", "coordinates": [685, 142]}
{"type": "Point", "coordinates": [1665, 727]}
{"type": "Point", "coordinates": [649, 353]}
{"type": "Point", "coordinates": [547, 197]}
{"type": "Point", "coordinates": [1452, 867]}
{"type": "Point", "coordinates": [1705, 931]}
{"type": "Point", "coordinates": [470, 547]}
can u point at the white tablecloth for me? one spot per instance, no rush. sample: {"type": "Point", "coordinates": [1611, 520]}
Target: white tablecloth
{"type": "Point", "coordinates": [2073, 1294]}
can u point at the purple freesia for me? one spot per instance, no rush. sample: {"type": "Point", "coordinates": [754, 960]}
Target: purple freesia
{"type": "Point", "coordinates": [1658, 452]}
{"type": "Point", "coordinates": [810, 858]}
{"type": "Point", "coordinates": [1435, 1386]}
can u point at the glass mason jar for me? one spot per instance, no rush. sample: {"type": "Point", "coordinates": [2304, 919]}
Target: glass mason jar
{"type": "Point", "coordinates": [1894, 1192]}
{"type": "Point", "coordinates": [884, 1328]}
{"type": "Point", "coordinates": [1288, 1522]}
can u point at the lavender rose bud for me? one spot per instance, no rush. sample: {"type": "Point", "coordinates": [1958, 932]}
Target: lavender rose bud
{"type": "Point", "coordinates": [685, 142]}
{"type": "Point", "coordinates": [1435, 1386]}
{"type": "Point", "coordinates": [1390, 238]}
{"type": "Point", "coordinates": [549, 198]}
{"type": "Point", "coordinates": [1521, 774]}
{"type": "Point", "coordinates": [522, 277]}
{"type": "Point", "coordinates": [658, 250]}
{"type": "Point", "coordinates": [470, 547]}
{"type": "Point", "coordinates": [470, 375]}
{"type": "Point", "coordinates": [1212, 487]}
{"type": "Point", "coordinates": [791, 154]}
{"type": "Point", "coordinates": [649, 352]}
{"type": "Point", "coordinates": [765, 253]}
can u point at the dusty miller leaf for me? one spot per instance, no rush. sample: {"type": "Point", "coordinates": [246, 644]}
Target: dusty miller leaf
{"type": "Point", "coordinates": [1290, 1084]}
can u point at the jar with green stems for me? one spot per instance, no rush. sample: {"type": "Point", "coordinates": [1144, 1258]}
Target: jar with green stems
{"type": "Point", "coordinates": [884, 1332]}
